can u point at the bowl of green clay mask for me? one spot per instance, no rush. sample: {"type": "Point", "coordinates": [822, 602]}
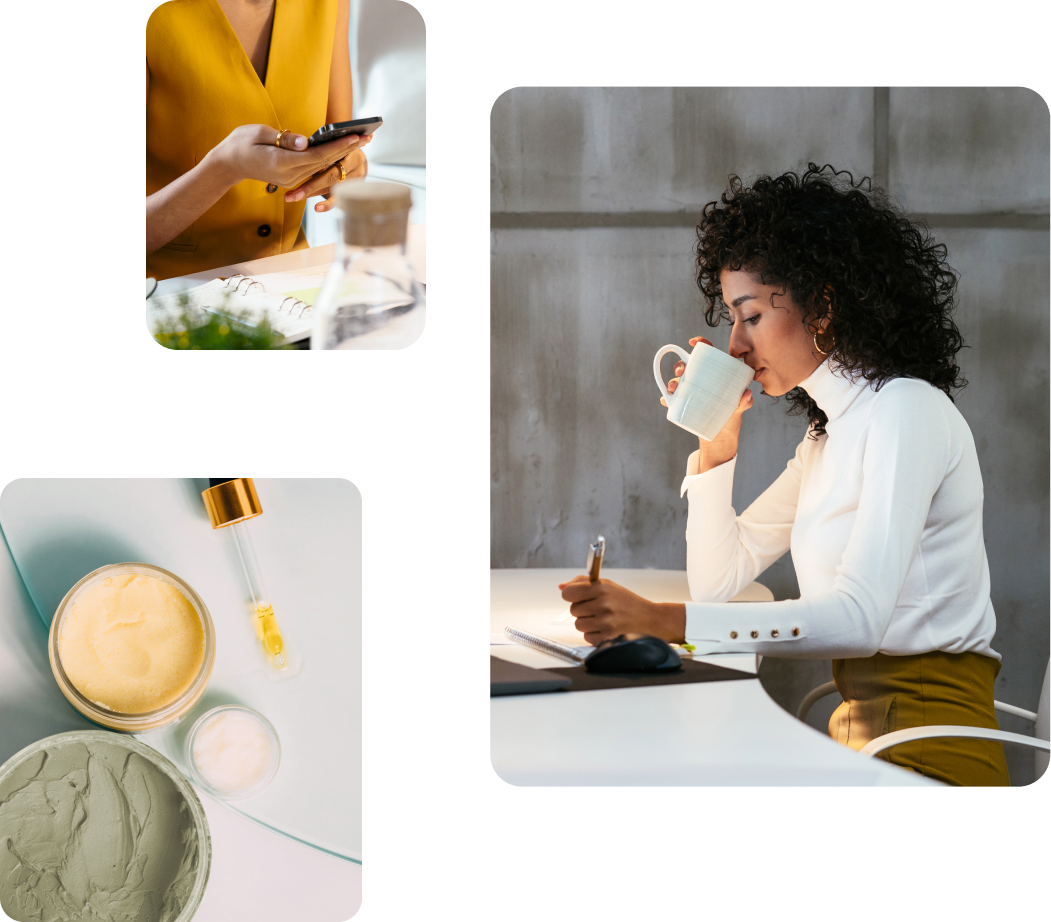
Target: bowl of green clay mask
{"type": "Point", "coordinates": [96, 825]}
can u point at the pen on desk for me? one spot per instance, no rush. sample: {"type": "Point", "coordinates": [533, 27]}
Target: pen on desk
{"type": "Point", "coordinates": [594, 564]}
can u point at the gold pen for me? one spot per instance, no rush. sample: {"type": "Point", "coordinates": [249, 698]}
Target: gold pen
{"type": "Point", "coordinates": [594, 564]}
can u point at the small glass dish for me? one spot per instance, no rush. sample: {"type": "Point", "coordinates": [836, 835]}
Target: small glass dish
{"type": "Point", "coordinates": [197, 775]}
{"type": "Point", "coordinates": [147, 720]}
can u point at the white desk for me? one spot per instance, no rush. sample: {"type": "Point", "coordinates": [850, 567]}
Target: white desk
{"type": "Point", "coordinates": [728, 733]}
{"type": "Point", "coordinates": [416, 249]}
{"type": "Point", "coordinates": [397, 334]}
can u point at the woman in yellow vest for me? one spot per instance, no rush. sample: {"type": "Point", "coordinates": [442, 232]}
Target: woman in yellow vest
{"type": "Point", "coordinates": [233, 89]}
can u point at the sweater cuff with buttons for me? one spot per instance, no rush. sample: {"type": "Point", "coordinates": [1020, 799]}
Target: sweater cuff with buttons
{"type": "Point", "coordinates": [773, 628]}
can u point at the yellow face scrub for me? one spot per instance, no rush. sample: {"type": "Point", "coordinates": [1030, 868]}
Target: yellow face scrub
{"type": "Point", "coordinates": [131, 643]}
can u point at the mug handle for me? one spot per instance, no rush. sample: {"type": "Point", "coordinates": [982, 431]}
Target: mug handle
{"type": "Point", "coordinates": [678, 350]}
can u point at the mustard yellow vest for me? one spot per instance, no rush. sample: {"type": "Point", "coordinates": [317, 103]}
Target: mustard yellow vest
{"type": "Point", "coordinates": [202, 86]}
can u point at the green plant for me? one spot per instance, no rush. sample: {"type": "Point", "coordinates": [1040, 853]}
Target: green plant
{"type": "Point", "coordinates": [228, 330]}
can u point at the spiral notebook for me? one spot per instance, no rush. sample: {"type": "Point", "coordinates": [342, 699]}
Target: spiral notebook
{"type": "Point", "coordinates": [284, 298]}
{"type": "Point", "coordinates": [565, 652]}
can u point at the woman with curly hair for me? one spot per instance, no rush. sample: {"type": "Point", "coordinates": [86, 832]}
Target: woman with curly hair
{"type": "Point", "coordinates": [841, 304]}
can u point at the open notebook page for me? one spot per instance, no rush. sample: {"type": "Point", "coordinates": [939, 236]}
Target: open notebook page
{"type": "Point", "coordinates": [290, 316]}
{"type": "Point", "coordinates": [303, 284]}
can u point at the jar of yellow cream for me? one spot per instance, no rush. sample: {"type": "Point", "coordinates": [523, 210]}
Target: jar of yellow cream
{"type": "Point", "coordinates": [132, 646]}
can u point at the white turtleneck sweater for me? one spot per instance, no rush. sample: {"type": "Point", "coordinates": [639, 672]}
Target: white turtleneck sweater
{"type": "Point", "coordinates": [883, 514]}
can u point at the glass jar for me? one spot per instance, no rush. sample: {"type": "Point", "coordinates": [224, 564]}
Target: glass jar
{"type": "Point", "coordinates": [147, 720]}
{"type": "Point", "coordinates": [200, 778]}
{"type": "Point", "coordinates": [371, 298]}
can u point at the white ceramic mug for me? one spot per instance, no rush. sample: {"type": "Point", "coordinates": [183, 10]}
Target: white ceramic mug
{"type": "Point", "coordinates": [708, 390]}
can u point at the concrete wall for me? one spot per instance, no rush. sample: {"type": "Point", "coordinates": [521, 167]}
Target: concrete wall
{"type": "Point", "coordinates": [595, 194]}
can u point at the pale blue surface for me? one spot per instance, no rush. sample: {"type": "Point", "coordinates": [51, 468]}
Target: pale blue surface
{"type": "Point", "coordinates": [308, 541]}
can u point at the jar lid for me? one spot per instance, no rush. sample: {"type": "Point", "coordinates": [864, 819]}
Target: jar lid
{"type": "Point", "coordinates": [358, 197]}
{"type": "Point", "coordinates": [376, 213]}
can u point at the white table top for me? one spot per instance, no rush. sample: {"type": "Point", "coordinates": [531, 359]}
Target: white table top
{"type": "Point", "coordinates": [729, 733]}
{"type": "Point", "coordinates": [528, 600]}
{"type": "Point", "coordinates": [397, 334]}
{"type": "Point", "coordinates": [416, 249]}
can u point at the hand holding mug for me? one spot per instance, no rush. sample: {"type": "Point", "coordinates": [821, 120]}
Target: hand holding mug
{"type": "Point", "coordinates": [680, 367]}
{"type": "Point", "coordinates": [715, 399]}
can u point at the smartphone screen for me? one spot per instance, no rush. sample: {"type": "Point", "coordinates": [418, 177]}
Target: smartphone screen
{"type": "Point", "coordinates": [342, 129]}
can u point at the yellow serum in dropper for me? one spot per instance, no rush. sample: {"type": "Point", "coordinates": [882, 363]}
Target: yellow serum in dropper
{"type": "Point", "coordinates": [270, 634]}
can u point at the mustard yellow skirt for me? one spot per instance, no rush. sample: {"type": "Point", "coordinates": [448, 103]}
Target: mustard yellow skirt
{"type": "Point", "coordinates": [883, 693]}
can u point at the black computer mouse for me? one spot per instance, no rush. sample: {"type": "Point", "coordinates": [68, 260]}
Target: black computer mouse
{"type": "Point", "coordinates": [633, 653]}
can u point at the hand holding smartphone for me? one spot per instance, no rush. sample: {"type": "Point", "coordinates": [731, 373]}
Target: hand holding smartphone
{"type": "Point", "coordinates": [341, 129]}
{"type": "Point", "coordinates": [322, 180]}
{"type": "Point", "coordinates": [258, 152]}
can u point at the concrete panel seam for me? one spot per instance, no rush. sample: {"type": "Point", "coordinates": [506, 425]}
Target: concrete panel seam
{"type": "Point", "coordinates": [571, 220]}
{"type": "Point", "coordinates": [881, 136]}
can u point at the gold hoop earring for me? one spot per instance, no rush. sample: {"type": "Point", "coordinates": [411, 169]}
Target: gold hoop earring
{"type": "Point", "coordinates": [822, 351]}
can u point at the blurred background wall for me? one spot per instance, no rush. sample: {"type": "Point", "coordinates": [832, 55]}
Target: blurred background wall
{"type": "Point", "coordinates": [595, 196]}
{"type": "Point", "coordinates": [388, 65]}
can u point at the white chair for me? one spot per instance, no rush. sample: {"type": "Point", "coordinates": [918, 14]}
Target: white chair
{"type": "Point", "coordinates": [1039, 742]}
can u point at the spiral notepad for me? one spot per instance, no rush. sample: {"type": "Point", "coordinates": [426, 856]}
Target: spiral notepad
{"type": "Point", "coordinates": [239, 295]}
{"type": "Point", "coordinates": [551, 647]}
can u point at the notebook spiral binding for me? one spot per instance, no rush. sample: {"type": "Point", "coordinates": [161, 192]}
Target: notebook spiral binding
{"type": "Point", "coordinates": [237, 283]}
{"type": "Point", "coordinates": [544, 645]}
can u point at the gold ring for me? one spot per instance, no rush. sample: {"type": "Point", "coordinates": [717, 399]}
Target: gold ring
{"type": "Point", "coordinates": [280, 135]}
{"type": "Point", "coordinates": [342, 170]}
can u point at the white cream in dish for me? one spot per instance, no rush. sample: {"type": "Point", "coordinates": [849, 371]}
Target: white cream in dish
{"type": "Point", "coordinates": [234, 751]}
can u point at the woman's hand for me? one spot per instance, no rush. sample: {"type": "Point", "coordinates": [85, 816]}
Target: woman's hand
{"type": "Point", "coordinates": [321, 183]}
{"type": "Point", "coordinates": [604, 609]}
{"type": "Point", "coordinates": [680, 367]}
{"type": "Point", "coordinates": [723, 447]}
{"type": "Point", "coordinates": [249, 152]}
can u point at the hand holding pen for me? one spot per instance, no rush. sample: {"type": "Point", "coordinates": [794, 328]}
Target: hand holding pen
{"type": "Point", "coordinates": [604, 609]}
{"type": "Point", "coordinates": [593, 566]}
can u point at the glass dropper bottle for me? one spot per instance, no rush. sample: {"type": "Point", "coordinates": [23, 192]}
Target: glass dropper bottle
{"type": "Point", "coordinates": [231, 503]}
{"type": "Point", "coordinates": [265, 623]}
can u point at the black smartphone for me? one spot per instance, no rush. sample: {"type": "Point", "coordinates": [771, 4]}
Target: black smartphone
{"type": "Point", "coordinates": [342, 129]}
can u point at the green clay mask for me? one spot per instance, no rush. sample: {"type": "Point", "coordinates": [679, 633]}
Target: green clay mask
{"type": "Point", "coordinates": [92, 831]}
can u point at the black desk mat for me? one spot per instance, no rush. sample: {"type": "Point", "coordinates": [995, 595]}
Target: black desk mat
{"type": "Point", "coordinates": [691, 671]}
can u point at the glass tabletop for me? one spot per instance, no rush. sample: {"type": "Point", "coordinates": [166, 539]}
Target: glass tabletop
{"type": "Point", "coordinates": [308, 541]}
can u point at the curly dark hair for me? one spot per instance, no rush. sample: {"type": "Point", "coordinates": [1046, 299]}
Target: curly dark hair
{"type": "Point", "coordinates": [839, 246]}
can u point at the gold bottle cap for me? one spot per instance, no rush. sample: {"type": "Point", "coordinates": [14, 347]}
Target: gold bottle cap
{"type": "Point", "coordinates": [232, 501]}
